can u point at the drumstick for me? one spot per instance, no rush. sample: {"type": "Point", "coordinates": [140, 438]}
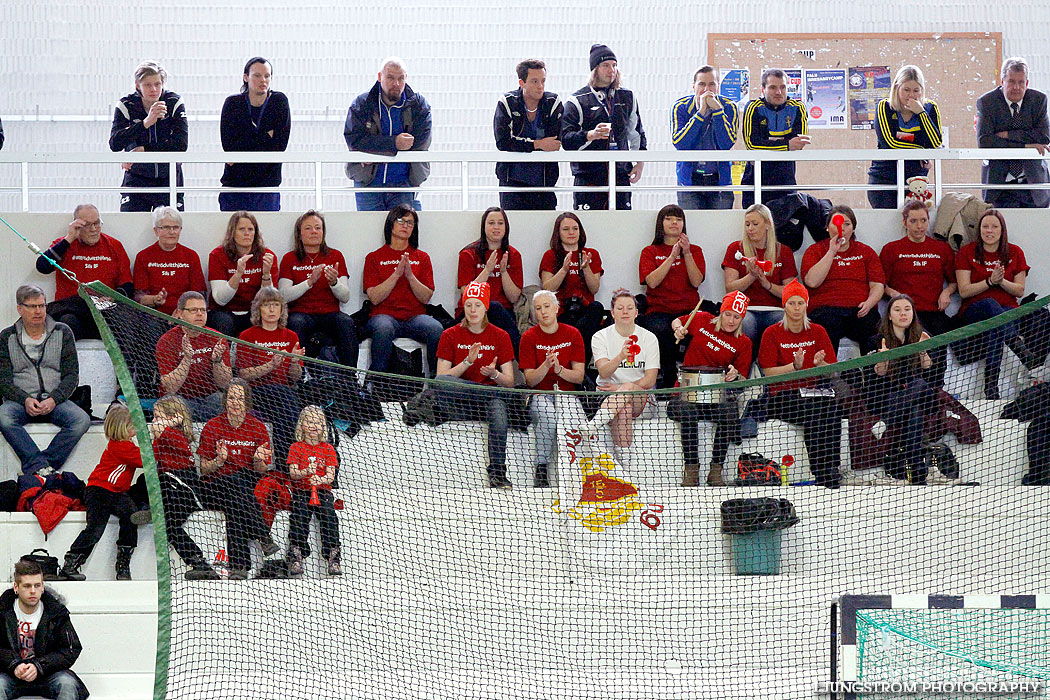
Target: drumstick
{"type": "Point", "coordinates": [689, 320]}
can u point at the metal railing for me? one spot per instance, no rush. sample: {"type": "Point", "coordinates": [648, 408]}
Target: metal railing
{"type": "Point", "coordinates": [465, 158]}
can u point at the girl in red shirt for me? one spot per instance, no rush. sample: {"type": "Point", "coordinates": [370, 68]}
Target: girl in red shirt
{"type": "Point", "coordinates": [236, 271]}
{"type": "Point", "coordinates": [745, 266]}
{"type": "Point", "coordinates": [172, 434]}
{"type": "Point", "coordinates": [671, 268]}
{"type": "Point", "coordinates": [312, 464]}
{"type": "Point", "coordinates": [494, 260]}
{"type": "Point", "coordinates": [991, 273]}
{"type": "Point", "coordinates": [399, 281]}
{"type": "Point", "coordinates": [476, 352]}
{"type": "Point", "coordinates": [273, 376]}
{"type": "Point", "coordinates": [717, 341]}
{"type": "Point", "coordinates": [789, 346]}
{"type": "Point", "coordinates": [551, 355]}
{"type": "Point", "coordinates": [315, 282]}
{"type": "Point", "coordinates": [574, 273]}
{"type": "Point", "coordinates": [107, 494]}
{"type": "Point", "coordinates": [846, 280]}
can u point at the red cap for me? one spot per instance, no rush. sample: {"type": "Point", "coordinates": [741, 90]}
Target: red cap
{"type": "Point", "coordinates": [794, 288]}
{"type": "Point", "coordinates": [477, 290]}
{"type": "Point", "coordinates": [734, 301]}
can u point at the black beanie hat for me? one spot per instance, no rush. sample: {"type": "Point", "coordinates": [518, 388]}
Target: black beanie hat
{"type": "Point", "coordinates": [601, 53]}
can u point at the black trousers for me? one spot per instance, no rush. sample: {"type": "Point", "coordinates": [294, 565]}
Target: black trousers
{"type": "Point", "coordinates": [180, 493]}
{"type": "Point", "coordinates": [659, 324]}
{"type": "Point", "coordinates": [73, 312]}
{"type": "Point", "coordinates": [820, 420]}
{"type": "Point", "coordinates": [102, 503]}
{"type": "Point", "coordinates": [842, 322]}
{"type": "Point", "coordinates": [586, 319]}
{"type": "Point", "coordinates": [600, 200]}
{"type": "Point", "coordinates": [234, 495]}
{"type": "Point", "coordinates": [723, 415]}
{"type": "Point", "coordinates": [299, 521]}
{"type": "Point", "coordinates": [527, 200]}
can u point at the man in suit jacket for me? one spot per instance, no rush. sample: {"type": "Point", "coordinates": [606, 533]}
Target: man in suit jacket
{"type": "Point", "coordinates": [1012, 116]}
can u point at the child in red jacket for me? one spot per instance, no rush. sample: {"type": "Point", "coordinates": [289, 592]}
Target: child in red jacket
{"type": "Point", "coordinates": [107, 494]}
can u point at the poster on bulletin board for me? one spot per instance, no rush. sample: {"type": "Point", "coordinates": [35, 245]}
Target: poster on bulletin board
{"type": "Point", "coordinates": [825, 98]}
{"type": "Point", "coordinates": [867, 85]}
{"type": "Point", "coordinates": [736, 85]}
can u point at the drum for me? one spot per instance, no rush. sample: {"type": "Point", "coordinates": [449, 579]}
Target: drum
{"type": "Point", "coordinates": [701, 376]}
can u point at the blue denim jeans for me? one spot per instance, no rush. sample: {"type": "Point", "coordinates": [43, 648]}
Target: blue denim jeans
{"type": "Point", "coordinates": [992, 340]}
{"type": "Point", "coordinates": [475, 404]}
{"type": "Point", "coordinates": [755, 324]}
{"type": "Point", "coordinates": [61, 685]}
{"type": "Point", "coordinates": [72, 423]}
{"type": "Point", "coordinates": [383, 329]}
{"type": "Point", "coordinates": [250, 201]}
{"type": "Point", "coordinates": [385, 201]}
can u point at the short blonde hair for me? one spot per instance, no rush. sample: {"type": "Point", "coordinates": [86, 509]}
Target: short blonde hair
{"type": "Point", "coordinates": [313, 412]}
{"type": "Point", "coordinates": [905, 74]}
{"type": "Point", "coordinates": [118, 425]}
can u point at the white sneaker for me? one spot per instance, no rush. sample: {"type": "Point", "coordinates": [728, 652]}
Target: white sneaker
{"type": "Point", "coordinates": [935, 478]}
{"type": "Point", "coordinates": [879, 429]}
{"type": "Point", "coordinates": [888, 481]}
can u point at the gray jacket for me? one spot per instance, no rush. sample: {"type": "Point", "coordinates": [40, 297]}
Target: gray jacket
{"type": "Point", "coordinates": [56, 375]}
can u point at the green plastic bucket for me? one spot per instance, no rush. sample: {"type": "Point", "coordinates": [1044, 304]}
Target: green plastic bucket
{"type": "Point", "coordinates": [756, 553]}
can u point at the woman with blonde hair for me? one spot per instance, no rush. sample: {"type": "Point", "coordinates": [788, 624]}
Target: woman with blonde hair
{"type": "Point", "coordinates": [905, 120]}
{"type": "Point", "coordinates": [759, 266]}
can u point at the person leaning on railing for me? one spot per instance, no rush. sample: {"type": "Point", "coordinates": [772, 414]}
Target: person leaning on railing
{"type": "Point", "coordinates": [773, 123]}
{"type": "Point", "coordinates": [905, 120]}
{"type": "Point", "coordinates": [704, 120]}
{"type": "Point", "coordinates": [716, 342]}
{"type": "Point", "coordinates": [149, 119]}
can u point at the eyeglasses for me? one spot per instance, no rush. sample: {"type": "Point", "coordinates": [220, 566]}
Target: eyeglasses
{"type": "Point", "coordinates": [169, 229]}
{"type": "Point", "coordinates": [34, 307]}
{"type": "Point", "coordinates": [406, 221]}
{"type": "Point", "coordinates": [93, 224]}
{"type": "Point", "coordinates": [195, 310]}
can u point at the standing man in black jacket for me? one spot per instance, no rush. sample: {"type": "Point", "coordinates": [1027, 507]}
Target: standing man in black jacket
{"type": "Point", "coordinates": [149, 119]}
{"type": "Point", "coordinates": [38, 645]}
{"type": "Point", "coordinates": [602, 116]}
{"type": "Point", "coordinates": [1013, 116]}
{"type": "Point", "coordinates": [528, 119]}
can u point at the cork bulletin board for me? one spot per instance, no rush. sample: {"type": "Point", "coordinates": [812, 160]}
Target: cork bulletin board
{"type": "Point", "coordinates": [959, 68]}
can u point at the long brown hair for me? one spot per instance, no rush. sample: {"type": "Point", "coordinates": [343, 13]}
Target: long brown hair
{"type": "Point", "coordinates": [230, 247]}
{"type": "Point", "coordinates": [481, 246]}
{"type": "Point", "coordinates": [667, 210]}
{"type": "Point", "coordinates": [912, 334]}
{"type": "Point", "coordinates": [1004, 242]}
{"type": "Point", "coordinates": [557, 246]}
{"type": "Point", "coordinates": [297, 237]}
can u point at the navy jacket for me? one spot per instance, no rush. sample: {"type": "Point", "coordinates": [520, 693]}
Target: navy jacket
{"type": "Point", "coordinates": [240, 134]}
{"type": "Point", "coordinates": [769, 128]}
{"type": "Point", "coordinates": [363, 132]}
{"type": "Point", "coordinates": [692, 132]}
{"type": "Point", "coordinates": [56, 646]}
{"type": "Point", "coordinates": [169, 134]}
{"type": "Point", "coordinates": [925, 130]}
{"type": "Point", "coordinates": [586, 110]}
{"type": "Point", "coordinates": [507, 126]}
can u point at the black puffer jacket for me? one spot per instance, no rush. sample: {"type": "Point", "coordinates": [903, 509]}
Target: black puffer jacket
{"type": "Point", "coordinates": [56, 647]}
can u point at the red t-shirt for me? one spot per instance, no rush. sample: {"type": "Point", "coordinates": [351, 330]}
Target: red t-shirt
{"type": "Point", "coordinates": [848, 278]}
{"type": "Point", "coordinates": [172, 451]}
{"type": "Point", "coordinates": [175, 271]}
{"type": "Point", "coordinates": [279, 339]}
{"type": "Point", "coordinates": [778, 348]}
{"type": "Point", "coordinates": [105, 262]}
{"type": "Point", "coordinates": [919, 270]}
{"type": "Point", "coordinates": [241, 442]}
{"type": "Point", "coordinates": [220, 267]}
{"type": "Point", "coordinates": [199, 382]}
{"type": "Point", "coordinates": [675, 294]}
{"type": "Point", "coordinates": [566, 341]}
{"type": "Point", "coordinates": [470, 266]}
{"type": "Point", "coordinates": [318, 299]}
{"type": "Point", "coordinates": [117, 465]}
{"type": "Point", "coordinates": [455, 343]}
{"type": "Point", "coordinates": [713, 348]}
{"type": "Point", "coordinates": [574, 284]}
{"type": "Point", "coordinates": [965, 260]}
{"type": "Point", "coordinates": [401, 303]}
{"type": "Point", "coordinates": [784, 271]}
{"type": "Point", "coordinates": [319, 458]}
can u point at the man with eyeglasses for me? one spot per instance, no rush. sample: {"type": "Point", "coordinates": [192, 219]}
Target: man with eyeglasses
{"type": "Point", "coordinates": [38, 374]}
{"type": "Point", "coordinates": [192, 364]}
{"type": "Point", "coordinates": [90, 255]}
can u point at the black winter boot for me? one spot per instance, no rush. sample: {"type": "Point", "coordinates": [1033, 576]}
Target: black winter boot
{"type": "Point", "coordinates": [70, 570]}
{"type": "Point", "coordinates": [124, 563]}
{"type": "Point", "coordinates": [1028, 358]}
